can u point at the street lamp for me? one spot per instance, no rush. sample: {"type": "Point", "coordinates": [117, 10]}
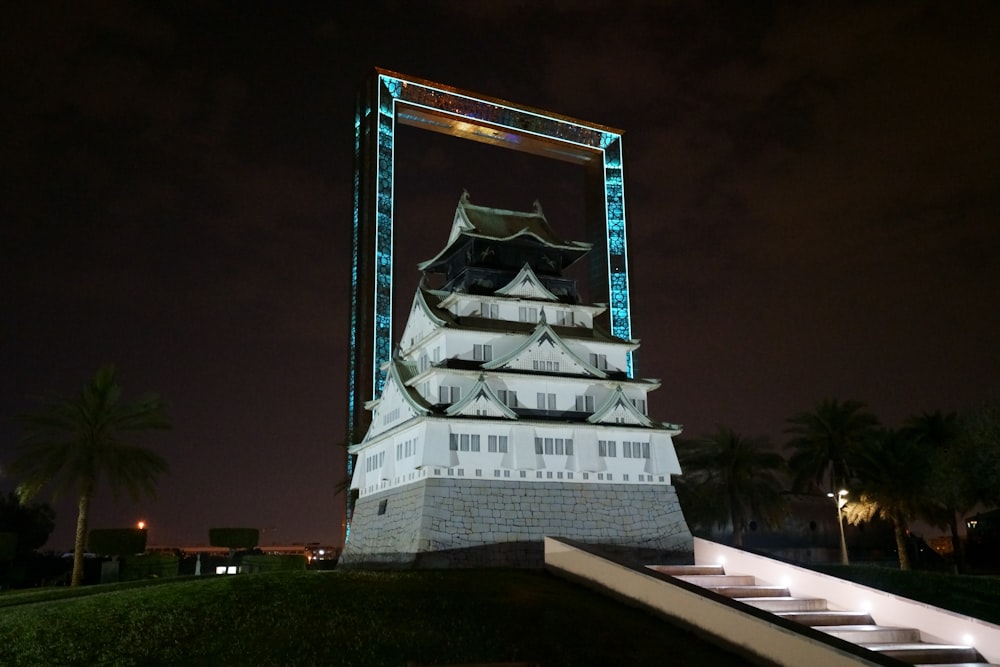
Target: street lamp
{"type": "Point", "coordinates": [840, 500]}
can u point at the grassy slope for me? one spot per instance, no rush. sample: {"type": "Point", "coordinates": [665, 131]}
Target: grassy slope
{"type": "Point", "coordinates": [977, 596]}
{"type": "Point", "coordinates": [347, 618]}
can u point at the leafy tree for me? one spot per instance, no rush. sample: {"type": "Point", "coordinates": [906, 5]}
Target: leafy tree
{"type": "Point", "coordinates": [951, 484]}
{"type": "Point", "coordinates": [731, 479]}
{"type": "Point", "coordinates": [70, 443]}
{"type": "Point", "coordinates": [893, 476]}
{"type": "Point", "coordinates": [32, 524]}
{"type": "Point", "coordinates": [825, 442]}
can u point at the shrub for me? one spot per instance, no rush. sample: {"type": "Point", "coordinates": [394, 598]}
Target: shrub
{"type": "Point", "coordinates": [117, 541]}
{"type": "Point", "coordinates": [234, 538]}
{"type": "Point", "coordinates": [273, 563]}
{"type": "Point", "coordinates": [149, 566]}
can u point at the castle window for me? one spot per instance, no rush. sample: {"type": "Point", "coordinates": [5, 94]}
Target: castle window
{"type": "Point", "coordinates": [482, 352]}
{"type": "Point", "coordinates": [538, 445]}
{"type": "Point", "coordinates": [606, 448]}
{"type": "Point", "coordinates": [549, 446]}
{"type": "Point", "coordinates": [509, 398]}
{"type": "Point", "coordinates": [527, 314]}
{"type": "Point", "coordinates": [560, 447]}
{"type": "Point", "coordinates": [584, 403]}
{"type": "Point", "coordinates": [546, 401]}
{"type": "Point", "coordinates": [453, 442]}
{"type": "Point", "coordinates": [540, 365]}
{"type": "Point", "coordinates": [448, 394]}
{"type": "Point", "coordinates": [564, 318]}
{"type": "Point", "coordinates": [569, 446]}
{"type": "Point", "coordinates": [490, 310]}
{"type": "Point", "coordinates": [496, 443]}
{"type": "Point", "coordinates": [599, 361]}
{"type": "Point", "coordinates": [474, 442]}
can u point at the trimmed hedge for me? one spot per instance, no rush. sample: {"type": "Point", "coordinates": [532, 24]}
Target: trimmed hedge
{"type": "Point", "coordinates": [234, 538]}
{"type": "Point", "coordinates": [253, 563]}
{"type": "Point", "coordinates": [8, 546]}
{"type": "Point", "coordinates": [149, 566]}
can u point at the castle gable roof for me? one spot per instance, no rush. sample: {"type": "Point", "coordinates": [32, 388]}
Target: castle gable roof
{"type": "Point", "coordinates": [480, 401]}
{"type": "Point", "coordinates": [502, 225]}
{"type": "Point", "coordinates": [619, 406]}
{"type": "Point", "coordinates": [544, 344]}
{"type": "Point", "coordinates": [395, 394]}
{"type": "Point", "coordinates": [527, 285]}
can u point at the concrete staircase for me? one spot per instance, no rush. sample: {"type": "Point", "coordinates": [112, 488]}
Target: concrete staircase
{"type": "Point", "coordinates": [903, 644]}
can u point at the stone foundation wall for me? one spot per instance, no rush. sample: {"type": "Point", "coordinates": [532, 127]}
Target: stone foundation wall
{"type": "Point", "coordinates": [451, 522]}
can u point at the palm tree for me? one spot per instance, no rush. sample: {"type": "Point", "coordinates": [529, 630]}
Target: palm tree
{"type": "Point", "coordinates": [826, 441]}
{"type": "Point", "coordinates": [951, 488]}
{"type": "Point", "coordinates": [70, 443]}
{"type": "Point", "coordinates": [893, 477]}
{"type": "Point", "coordinates": [729, 478]}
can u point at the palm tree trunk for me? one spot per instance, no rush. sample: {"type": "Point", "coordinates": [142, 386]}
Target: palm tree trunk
{"type": "Point", "coordinates": [80, 543]}
{"type": "Point", "coordinates": [737, 522]}
{"type": "Point", "coordinates": [957, 548]}
{"type": "Point", "coordinates": [904, 554]}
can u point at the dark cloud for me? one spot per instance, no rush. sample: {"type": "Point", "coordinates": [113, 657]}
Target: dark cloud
{"type": "Point", "coordinates": [812, 200]}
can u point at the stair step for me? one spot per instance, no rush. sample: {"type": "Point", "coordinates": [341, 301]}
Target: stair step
{"type": "Point", "coordinates": [872, 634]}
{"type": "Point", "coordinates": [676, 570]}
{"type": "Point", "coordinates": [750, 591]}
{"type": "Point", "coordinates": [925, 653]}
{"type": "Point", "coordinates": [827, 617]}
{"type": "Point", "coordinates": [777, 604]}
{"type": "Point", "coordinates": [713, 580]}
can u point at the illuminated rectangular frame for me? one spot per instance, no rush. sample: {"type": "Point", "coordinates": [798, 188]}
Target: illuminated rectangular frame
{"type": "Point", "coordinates": [388, 98]}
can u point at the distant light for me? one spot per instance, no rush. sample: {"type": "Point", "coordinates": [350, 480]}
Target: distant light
{"type": "Point", "coordinates": [321, 552]}
{"type": "Point", "coordinates": [141, 525]}
{"type": "Point", "coordinates": [220, 569]}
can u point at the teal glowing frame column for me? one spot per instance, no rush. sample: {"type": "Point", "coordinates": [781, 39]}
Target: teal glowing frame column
{"type": "Point", "coordinates": [389, 98]}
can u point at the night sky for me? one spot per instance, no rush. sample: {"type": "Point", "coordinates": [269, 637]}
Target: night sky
{"type": "Point", "coordinates": [813, 200]}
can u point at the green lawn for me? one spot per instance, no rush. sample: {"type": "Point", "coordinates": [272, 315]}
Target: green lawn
{"type": "Point", "coordinates": [345, 618]}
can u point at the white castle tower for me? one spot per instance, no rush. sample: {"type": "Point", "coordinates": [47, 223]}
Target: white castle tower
{"type": "Point", "coordinates": [507, 415]}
